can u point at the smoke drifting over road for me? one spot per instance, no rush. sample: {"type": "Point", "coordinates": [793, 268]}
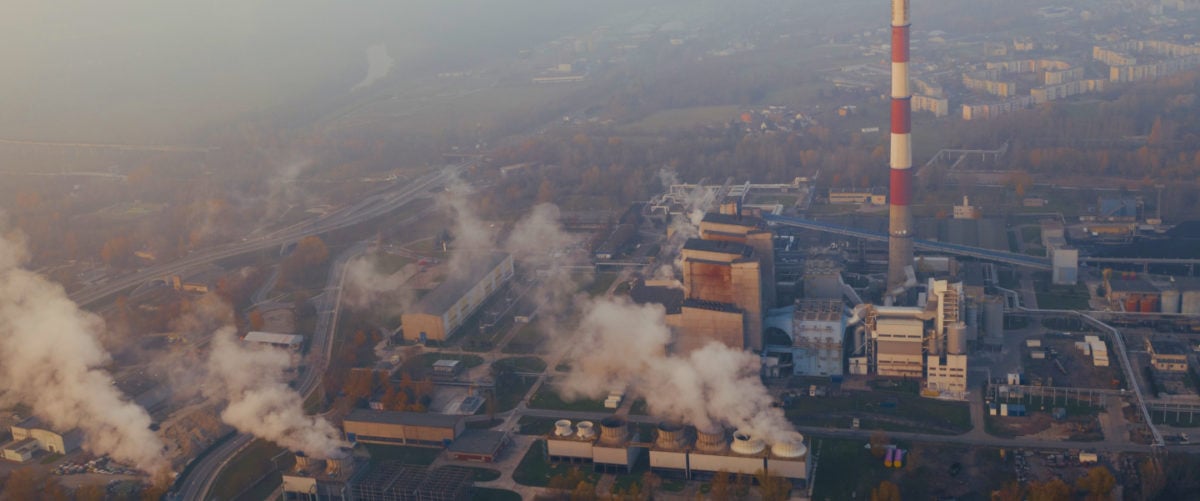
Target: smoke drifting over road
{"type": "Point", "coordinates": [261, 403]}
{"type": "Point", "coordinates": [367, 287]}
{"type": "Point", "coordinates": [621, 344]}
{"type": "Point", "coordinates": [52, 361]}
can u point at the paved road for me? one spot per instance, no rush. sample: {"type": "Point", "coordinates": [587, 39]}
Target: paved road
{"type": "Point", "coordinates": [370, 207]}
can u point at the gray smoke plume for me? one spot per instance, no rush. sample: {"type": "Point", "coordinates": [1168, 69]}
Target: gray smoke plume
{"type": "Point", "coordinates": [695, 203]}
{"type": "Point", "coordinates": [251, 379]}
{"type": "Point", "coordinates": [621, 344]}
{"type": "Point", "coordinates": [52, 361]}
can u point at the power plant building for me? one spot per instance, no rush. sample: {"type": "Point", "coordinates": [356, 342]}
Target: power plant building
{"type": "Point", "coordinates": [818, 329]}
{"type": "Point", "coordinates": [444, 309]}
{"type": "Point", "coordinates": [723, 278]}
{"type": "Point", "coordinates": [47, 440]}
{"type": "Point", "coordinates": [402, 428]}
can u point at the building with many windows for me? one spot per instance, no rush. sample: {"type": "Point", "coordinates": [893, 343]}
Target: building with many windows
{"type": "Point", "coordinates": [444, 309]}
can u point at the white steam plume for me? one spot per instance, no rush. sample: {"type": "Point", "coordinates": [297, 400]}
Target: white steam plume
{"type": "Point", "coordinates": [471, 233]}
{"type": "Point", "coordinates": [52, 361]}
{"type": "Point", "coordinates": [367, 287]}
{"type": "Point", "coordinates": [260, 402]}
{"type": "Point", "coordinates": [695, 203]}
{"type": "Point", "coordinates": [623, 344]}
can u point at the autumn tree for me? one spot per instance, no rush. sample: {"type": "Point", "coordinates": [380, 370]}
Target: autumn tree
{"type": "Point", "coordinates": [1050, 490]}
{"type": "Point", "coordinates": [719, 488]}
{"type": "Point", "coordinates": [772, 487]}
{"type": "Point", "coordinates": [1097, 484]}
{"type": "Point", "coordinates": [1153, 478]}
{"type": "Point", "coordinates": [1011, 491]}
{"type": "Point", "coordinates": [886, 491]}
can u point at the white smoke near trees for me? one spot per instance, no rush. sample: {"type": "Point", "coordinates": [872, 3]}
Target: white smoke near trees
{"type": "Point", "coordinates": [694, 205]}
{"type": "Point", "coordinates": [367, 287]}
{"type": "Point", "coordinates": [470, 232]}
{"type": "Point", "coordinates": [621, 344]}
{"type": "Point", "coordinates": [52, 361]}
{"type": "Point", "coordinates": [251, 379]}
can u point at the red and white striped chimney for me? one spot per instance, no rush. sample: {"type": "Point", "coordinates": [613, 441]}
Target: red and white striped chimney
{"type": "Point", "coordinates": [900, 241]}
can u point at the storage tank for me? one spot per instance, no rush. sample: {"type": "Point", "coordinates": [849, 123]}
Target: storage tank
{"type": "Point", "coordinates": [1133, 303]}
{"type": "Point", "coordinates": [993, 318]}
{"type": "Point", "coordinates": [585, 430]}
{"type": "Point", "coordinates": [1190, 303]}
{"type": "Point", "coordinates": [710, 439]}
{"type": "Point", "coordinates": [1170, 301]}
{"type": "Point", "coordinates": [746, 444]}
{"type": "Point", "coordinates": [790, 448]}
{"type": "Point", "coordinates": [614, 430]}
{"type": "Point", "coordinates": [956, 339]}
{"type": "Point", "coordinates": [563, 428]}
{"type": "Point", "coordinates": [1149, 304]}
{"type": "Point", "coordinates": [670, 436]}
{"type": "Point", "coordinates": [972, 321]}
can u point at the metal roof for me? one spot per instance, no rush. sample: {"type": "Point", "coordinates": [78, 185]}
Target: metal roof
{"type": "Point", "coordinates": [478, 442]}
{"type": "Point", "coordinates": [718, 246]}
{"type": "Point", "coordinates": [452, 289]}
{"type": "Point", "coordinates": [274, 338]}
{"type": "Point", "coordinates": [746, 221]}
{"type": "Point", "coordinates": [425, 419]}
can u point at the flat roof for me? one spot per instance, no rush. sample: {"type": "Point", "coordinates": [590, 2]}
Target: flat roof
{"type": "Point", "coordinates": [718, 246]}
{"type": "Point", "coordinates": [27, 445]}
{"type": "Point", "coordinates": [448, 363]}
{"type": "Point", "coordinates": [478, 442]}
{"type": "Point", "coordinates": [670, 297]}
{"type": "Point", "coordinates": [746, 221]}
{"type": "Point", "coordinates": [1135, 285]}
{"type": "Point", "coordinates": [274, 338]}
{"type": "Point", "coordinates": [426, 419]}
{"type": "Point", "coordinates": [452, 289]}
{"type": "Point", "coordinates": [1167, 347]}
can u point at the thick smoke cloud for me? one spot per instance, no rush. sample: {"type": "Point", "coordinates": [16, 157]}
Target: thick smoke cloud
{"type": "Point", "coordinates": [695, 203]}
{"type": "Point", "coordinates": [52, 361]}
{"type": "Point", "coordinates": [470, 232]}
{"type": "Point", "coordinates": [624, 345]}
{"type": "Point", "coordinates": [367, 287]}
{"type": "Point", "coordinates": [261, 403]}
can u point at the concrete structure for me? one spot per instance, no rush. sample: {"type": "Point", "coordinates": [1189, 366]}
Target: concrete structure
{"type": "Point", "coordinates": [19, 451]}
{"type": "Point", "coordinates": [444, 309]}
{"type": "Point", "coordinates": [287, 341]}
{"type": "Point", "coordinates": [818, 328]}
{"type": "Point", "coordinates": [946, 374]}
{"type": "Point", "coordinates": [724, 277]}
{"type": "Point", "coordinates": [702, 322]}
{"type": "Point", "coordinates": [1065, 266]}
{"type": "Point", "coordinates": [402, 428]}
{"type": "Point", "coordinates": [840, 196]}
{"type": "Point", "coordinates": [900, 225]}
{"type": "Point", "coordinates": [322, 480]}
{"type": "Point", "coordinates": [939, 106]}
{"type": "Point", "coordinates": [394, 481]}
{"type": "Point", "coordinates": [1167, 356]}
{"type": "Point", "coordinates": [47, 440]}
{"type": "Point", "coordinates": [966, 210]}
{"type": "Point", "coordinates": [612, 449]}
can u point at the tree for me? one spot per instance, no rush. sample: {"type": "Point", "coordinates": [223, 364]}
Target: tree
{"type": "Point", "coordinates": [1154, 479]}
{"type": "Point", "coordinates": [22, 485]}
{"type": "Point", "coordinates": [886, 491]}
{"type": "Point", "coordinates": [773, 488]}
{"type": "Point", "coordinates": [1098, 483]}
{"type": "Point", "coordinates": [1051, 490]}
{"type": "Point", "coordinates": [720, 487]}
{"type": "Point", "coordinates": [91, 492]}
{"type": "Point", "coordinates": [1011, 491]}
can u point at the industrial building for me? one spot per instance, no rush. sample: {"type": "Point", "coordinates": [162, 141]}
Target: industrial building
{"type": "Point", "coordinates": [677, 451]}
{"type": "Point", "coordinates": [477, 446]}
{"type": "Point", "coordinates": [727, 272]}
{"type": "Point", "coordinates": [322, 480]}
{"type": "Point", "coordinates": [816, 330]}
{"type": "Point", "coordinates": [402, 428]}
{"type": "Point", "coordinates": [393, 481]}
{"type": "Point", "coordinates": [47, 440]}
{"type": "Point", "coordinates": [287, 341]}
{"type": "Point", "coordinates": [20, 451]}
{"type": "Point", "coordinates": [1167, 356]}
{"type": "Point", "coordinates": [444, 309]}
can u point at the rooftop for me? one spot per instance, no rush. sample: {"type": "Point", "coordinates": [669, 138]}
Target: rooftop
{"type": "Point", "coordinates": [670, 297]}
{"type": "Point", "coordinates": [426, 419]}
{"type": "Point", "coordinates": [274, 338]}
{"type": "Point", "coordinates": [1134, 285]}
{"type": "Point", "coordinates": [746, 221]}
{"type": "Point", "coordinates": [478, 442]}
{"type": "Point", "coordinates": [452, 289]}
{"type": "Point", "coordinates": [718, 246]}
{"type": "Point", "coordinates": [711, 306]}
{"type": "Point", "coordinates": [1161, 347]}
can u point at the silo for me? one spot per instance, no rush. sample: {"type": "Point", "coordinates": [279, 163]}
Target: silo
{"type": "Point", "coordinates": [585, 430]}
{"type": "Point", "coordinates": [993, 318]}
{"type": "Point", "coordinates": [1149, 304]}
{"type": "Point", "coordinates": [1191, 303]}
{"type": "Point", "coordinates": [710, 439]}
{"type": "Point", "coordinates": [614, 430]}
{"type": "Point", "coordinates": [1133, 303]}
{"type": "Point", "coordinates": [563, 428]}
{"type": "Point", "coordinates": [972, 321]}
{"type": "Point", "coordinates": [793, 448]}
{"type": "Point", "coordinates": [956, 339]}
{"type": "Point", "coordinates": [1170, 301]}
{"type": "Point", "coordinates": [746, 444]}
{"type": "Point", "coordinates": [670, 436]}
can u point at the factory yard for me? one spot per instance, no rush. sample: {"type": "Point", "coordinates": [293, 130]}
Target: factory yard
{"type": "Point", "coordinates": [848, 469]}
{"type": "Point", "coordinates": [1064, 365]}
{"type": "Point", "coordinates": [898, 410]}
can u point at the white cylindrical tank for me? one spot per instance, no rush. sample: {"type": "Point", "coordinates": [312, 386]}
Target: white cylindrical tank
{"type": "Point", "coordinates": [710, 439]}
{"type": "Point", "coordinates": [585, 430]}
{"type": "Point", "coordinates": [1191, 303]}
{"type": "Point", "coordinates": [670, 436]}
{"type": "Point", "coordinates": [746, 444]}
{"type": "Point", "coordinates": [614, 430]}
{"type": "Point", "coordinates": [790, 448]}
{"type": "Point", "coordinates": [562, 428]}
{"type": "Point", "coordinates": [956, 339]}
{"type": "Point", "coordinates": [1170, 301]}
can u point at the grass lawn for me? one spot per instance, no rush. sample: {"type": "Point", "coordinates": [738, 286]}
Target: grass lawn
{"type": "Point", "coordinates": [536, 471]}
{"type": "Point", "coordinates": [846, 470]}
{"type": "Point", "coordinates": [601, 283]}
{"type": "Point", "coordinates": [508, 395]}
{"type": "Point", "coordinates": [547, 397]}
{"type": "Point", "coordinates": [423, 456]}
{"type": "Point", "coordinates": [486, 494]}
{"type": "Point", "coordinates": [1031, 235]}
{"type": "Point", "coordinates": [526, 340]}
{"type": "Point", "coordinates": [537, 426]}
{"type": "Point", "coordinates": [911, 412]}
{"type": "Point", "coordinates": [485, 474]}
{"type": "Point", "coordinates": [246, 469]}
{"type": "Point", "coordinates": [521, 364]}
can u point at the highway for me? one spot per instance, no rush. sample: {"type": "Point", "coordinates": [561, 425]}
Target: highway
{"type": "Point", "coordinates": [368, 208]}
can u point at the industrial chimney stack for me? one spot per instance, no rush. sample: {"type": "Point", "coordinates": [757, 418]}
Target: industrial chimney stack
{"type": "Point", "coordinates": [900, 243]}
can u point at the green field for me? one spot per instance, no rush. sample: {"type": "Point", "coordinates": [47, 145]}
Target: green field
{"type": "Point", "coordinates": [912, 413]}
{"type": "Point", "coordinates": [521, 364]}
{"type": "Point", "coordinates": [536, 471]}
{"type": "Point", "coordinates": [487, 494]}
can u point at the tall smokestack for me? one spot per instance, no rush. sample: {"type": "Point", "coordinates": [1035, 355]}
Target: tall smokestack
{"type": "Point", "coordinates": [900, 244]}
